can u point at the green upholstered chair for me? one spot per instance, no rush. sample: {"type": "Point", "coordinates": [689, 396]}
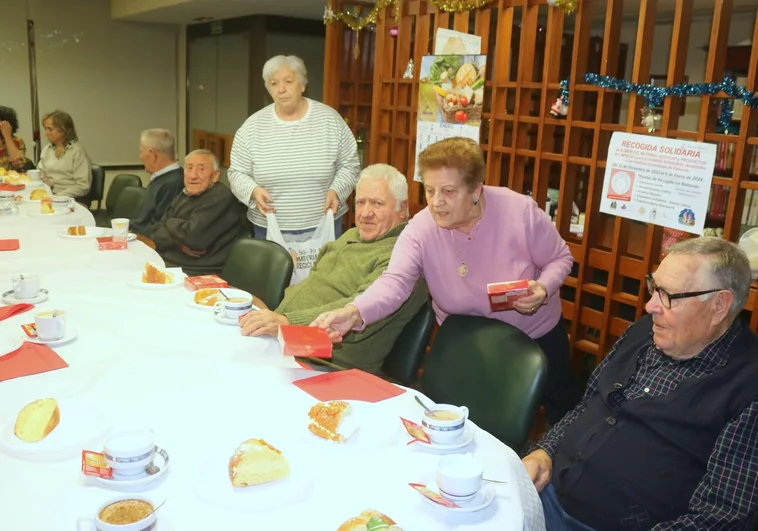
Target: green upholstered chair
{"type": "Point", "coordinates": [128, 203]}
{"type": "Point", "coordinates": [491, 367]}
{"type": "Point", "coordinates": [407, 354]}
{"type": "Point", "coordinates": [96, 188]}
{"type": "Point", "coordinates": [260, 267]}
{"type": "Point", "coordinates": [120, 181]}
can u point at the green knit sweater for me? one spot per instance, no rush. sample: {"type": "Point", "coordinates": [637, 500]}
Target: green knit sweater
{"type": "Point", "coordinates": [343, 270]}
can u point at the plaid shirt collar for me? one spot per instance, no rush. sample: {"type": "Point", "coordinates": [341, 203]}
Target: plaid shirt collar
{"type": "Point", "coordinates": [714, 355]}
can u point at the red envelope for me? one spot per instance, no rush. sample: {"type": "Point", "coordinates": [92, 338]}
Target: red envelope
{"type": "Point", "coordinates": [14, 309]}
{"type": "Point", "coordinates": [30, 359]}
{"type": "Point", "coordinates": [9, 245]}
{"type": "Point", "coordinates": [351, 384]}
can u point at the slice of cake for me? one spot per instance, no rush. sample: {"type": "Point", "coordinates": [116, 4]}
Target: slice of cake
{"type": "Point", "coordinates": [36, 420]}
{"type": "Point", "coordinates": [370, 520]}
{"type": "Point", "coordinates": [206, 296]}
{"type": "Point", "coordinates": [46, 207]}
{"type": "Point", "coordinates": [79, 230]}
{"type": "Point", "coordinates": [255, 462]}
{"type": "Point", "coordinates": [39, 195]}
{"type": "Point", "coordinates": [155, 275]}
{"type": "Point", "coordinates": [332, 421]}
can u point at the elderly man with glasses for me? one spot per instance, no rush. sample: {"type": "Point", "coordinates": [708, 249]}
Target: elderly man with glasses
{"type": "Point", "coordinates": [666, 436]}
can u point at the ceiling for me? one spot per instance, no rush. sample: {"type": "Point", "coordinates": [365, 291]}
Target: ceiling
{"type": "Point", "coordinates": [186, 11]}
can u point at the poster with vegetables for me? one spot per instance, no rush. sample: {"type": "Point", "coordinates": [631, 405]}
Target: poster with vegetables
{"type": "Point", "coordinates": [451, 89]}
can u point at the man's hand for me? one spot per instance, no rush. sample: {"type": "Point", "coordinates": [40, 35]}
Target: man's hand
{"type": "Point", "coordinates": [261, 323]}
{"type": "Point", "coordinates": [332, 202]}
{"type": "Point", "coordinates": [539, 466]}
{"type": "Point", "coordinates": [532, 303]}
{"type": "Point", "coordinates": [338, 322]}
{"type": "Point", "coordinates": [6, 130]}
{"type": "Point", "coordinates": [263, 200]}
{"type": "Point", "coordinates": [189, 252]}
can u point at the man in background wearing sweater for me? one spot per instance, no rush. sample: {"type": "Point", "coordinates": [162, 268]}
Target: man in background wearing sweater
{"type": "Point", "coordinates": [346, 267]}
{"type": "Point", "coordinates": [157, 153]}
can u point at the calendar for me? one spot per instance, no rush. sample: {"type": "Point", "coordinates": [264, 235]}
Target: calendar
{"type": "Point", "coordinates": [427, 133]}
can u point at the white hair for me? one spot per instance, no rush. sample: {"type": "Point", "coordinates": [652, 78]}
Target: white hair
{"type": "Point", "coordinates": [397, 182]}
{"type": "Point", "coordinates": [207, 153]}
{"type": "Point", "coordinates": [161, 140]}
{"type": "Point", "coordinates": [292, 62]}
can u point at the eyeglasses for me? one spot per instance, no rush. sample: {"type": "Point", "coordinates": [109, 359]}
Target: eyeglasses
{"type": "Point", "coordinates": [667, 297]}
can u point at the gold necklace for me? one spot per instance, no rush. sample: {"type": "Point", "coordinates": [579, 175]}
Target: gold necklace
{"type": "Point", "coordinates": [463, 268]}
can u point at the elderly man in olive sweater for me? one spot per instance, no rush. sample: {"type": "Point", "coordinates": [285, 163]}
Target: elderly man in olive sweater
{"type": "Point", "coordinates": [346, 267]}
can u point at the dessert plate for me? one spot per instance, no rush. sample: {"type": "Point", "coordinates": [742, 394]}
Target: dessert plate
{"type": "Point", "coordinates": [142, 480]}
{"type": "Point", "coordinates": [70, 335]}
{"type": "Point", "coordinates": [10, 344]}
{"type": "Point", "coordinates": [466, 438]}
{"type": "Point", "coordinates": [91, 232]}
{"type": "Point", "coordinates": [79, 427]}
{"type": "Point", "coordinates": [481, 499]}
{"type": "Point", "coordinates": [9, 297]}
{"type": "Point", "coordinates": [229, 292]}
{"type": "Point", "coordinates": [214, 487]}
{"type": "Point", "coordinates": [372, 428]}
{"type": "Point", "coordinates": [179, 277]}
{"type": "Point", "coordinates": [55, 212]}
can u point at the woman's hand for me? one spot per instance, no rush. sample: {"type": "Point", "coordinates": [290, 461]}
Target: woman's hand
{"type": "Point", "coordinates": [338, 322]}
{"type": "Point", "coordinates": [529, 305]}
{"type": "Point", "coordinates": [539, 466]}
{"type": "Point", "coordinates": [262, 200]}
{"type": "Point", "coordinates": [332, 202]}
{"type": "Point", "coordinates": [6, 130]}
{"type": "Point", "coordinates": [48, 181]}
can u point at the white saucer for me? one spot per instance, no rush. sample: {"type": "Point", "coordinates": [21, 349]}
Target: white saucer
{"type": "Point", "coordinates": [129, 237]}
{"type": "Point", "coordinates": [179, 277]}
{"type": "Point", "coordinates": [220, 317]}
{"type": "Point", "coordinates": [55, 212]}
{"type": "Point", "coordinates": [9, 297]}
{"type": "Point", "coordinates": [140, 480]}
{"type": "Point", "coordinates": [465, 439]}
{"type": "Point", "coordinates": [481, 499]}
{"type": "Point", "coordinates": [229, 292]}
{"type": "Point", "coordinates": [70, 335]}
{"type": "Point", "coordinates": [10, 344]}
{"type": "Point", "coordinates": [91, 232]}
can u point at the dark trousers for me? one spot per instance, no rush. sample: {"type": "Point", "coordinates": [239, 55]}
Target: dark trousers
{"type": "Point", "coordinates": [556, 519]}
{"type": "Point", "coordinates": [562, 391]}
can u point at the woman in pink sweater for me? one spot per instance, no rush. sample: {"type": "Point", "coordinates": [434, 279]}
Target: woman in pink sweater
{"type": "Point", "coordinates": [471, 235]}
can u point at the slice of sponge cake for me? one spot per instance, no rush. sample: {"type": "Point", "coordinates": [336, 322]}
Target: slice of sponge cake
{"type": "Point", "coordinates": [37, 420]}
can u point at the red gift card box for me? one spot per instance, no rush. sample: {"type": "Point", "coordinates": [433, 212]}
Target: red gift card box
{"type": "Point", "coordinates": [503, 294]}
{"type": "Point", "coordinates": [305, 341]}
{"type": "Point", "coordinates": [106, 243]}
{"type": "Point", "coordinates": [205, 281]}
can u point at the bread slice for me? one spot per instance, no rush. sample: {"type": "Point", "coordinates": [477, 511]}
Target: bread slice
{"type": "Point", "coordinates": [256, 462]}
{"type": "Point", "coordinates": [206, 296]}
{"type": "Point", "coordinates": [78, 230]}
{"type": "Point", "coordinates": [370, 520]}
{"type": "Point", "coordinates": [332, 421]}
{"type": "Point", "coordinates": [39, 194]}
{"type": "Point", "coordinates": [36, 420]}
{"type": "Point", "coordinates": [155, 275]}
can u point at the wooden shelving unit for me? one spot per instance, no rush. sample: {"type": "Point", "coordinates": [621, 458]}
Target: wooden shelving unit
{"type": "Point", "coordinates": [530, 48]}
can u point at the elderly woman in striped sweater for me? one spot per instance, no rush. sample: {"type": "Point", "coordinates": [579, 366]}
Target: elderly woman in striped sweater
{"type": "Point", "coordinates": [296, 157]}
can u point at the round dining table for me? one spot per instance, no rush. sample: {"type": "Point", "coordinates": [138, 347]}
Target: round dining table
{"type": "Point", "coordinates": [149, 358]}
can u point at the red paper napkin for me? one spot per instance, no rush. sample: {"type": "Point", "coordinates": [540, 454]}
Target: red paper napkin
{"type": "Point", "coordinates": [30, 359]}
{"type": "Point", "coordinates": [348, 385]}
{"type": "Point", "coordinates": [12, 187]}
{"type": "Point", "coordinates": [9, 245]}
{"type": "Point", "coordinates": [14, 309]}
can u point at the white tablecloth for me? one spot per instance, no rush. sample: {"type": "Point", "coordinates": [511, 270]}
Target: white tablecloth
{"type": "Point", "coordinates": [147, 357]}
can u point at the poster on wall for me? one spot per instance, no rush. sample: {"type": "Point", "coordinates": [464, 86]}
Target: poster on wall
{"type": "Point", "coordinates": [449, 42]}
{"type": "Point", "coordinates": [450, 99]}
{"type": "Point", "coordinates": [663, 181]}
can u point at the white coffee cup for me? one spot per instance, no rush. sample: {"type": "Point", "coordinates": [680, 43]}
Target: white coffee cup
{"type": "Point", "coordinates": [95, 523]}
{"type": "Point", "coordinates": [25, 286]}
{"type": "Point", "coordinates": [235, 307]}
{"type": "Point", "coordinates": [50, 325]}
{"type": "Point", "coordinates": [120, 228]}
{"type": "Point", "coordinates": [6, 196]}
{"type": "Point", "coordinates": [129, 451]}
{"type": "Point", "coordinates": [445, 430]}
{"type": "Point", "coordinates": [61, 201]}
{"type": "Point", "coordinates": [459, 477]}
{"type": "Point", "coordinates": [34, 175]}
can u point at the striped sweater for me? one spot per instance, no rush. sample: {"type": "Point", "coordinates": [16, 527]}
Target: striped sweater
{"type": "Point", "coordinates": [296, 162]}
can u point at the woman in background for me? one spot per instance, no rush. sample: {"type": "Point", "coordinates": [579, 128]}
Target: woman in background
{"type": "Point", "coordinates": [64, 163]}
{"type": "Point", "coordinates": [296, 157]}
{"type": "Point", "coordinates": [12, 148]}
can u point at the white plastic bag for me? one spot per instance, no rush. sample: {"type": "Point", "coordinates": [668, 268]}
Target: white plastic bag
{"type": "Point", "coordinates": [749, 244]}
{"type": "Point", "coordinates": [303, 253]}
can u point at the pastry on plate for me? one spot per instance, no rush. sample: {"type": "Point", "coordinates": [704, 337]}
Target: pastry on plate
{"type": "Point", "coordinates": [332, 421]}
{"type": "Point", "coordinates": [46, 207]}
{"type": "Point", "coordinates": [206, 296]}
{"type": "Point", "coordinates": [78, 230]}
{"type": "Point", "coordinates": [255, 462]}
{"type": "Point", "coordinates": [39, 194]}
{"type": "Point", "coordinates": [36, 420]}
{"type": "Point", "coordinates": [370, 520]}
{"type": "Point", "coordinates": [153, 274]}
